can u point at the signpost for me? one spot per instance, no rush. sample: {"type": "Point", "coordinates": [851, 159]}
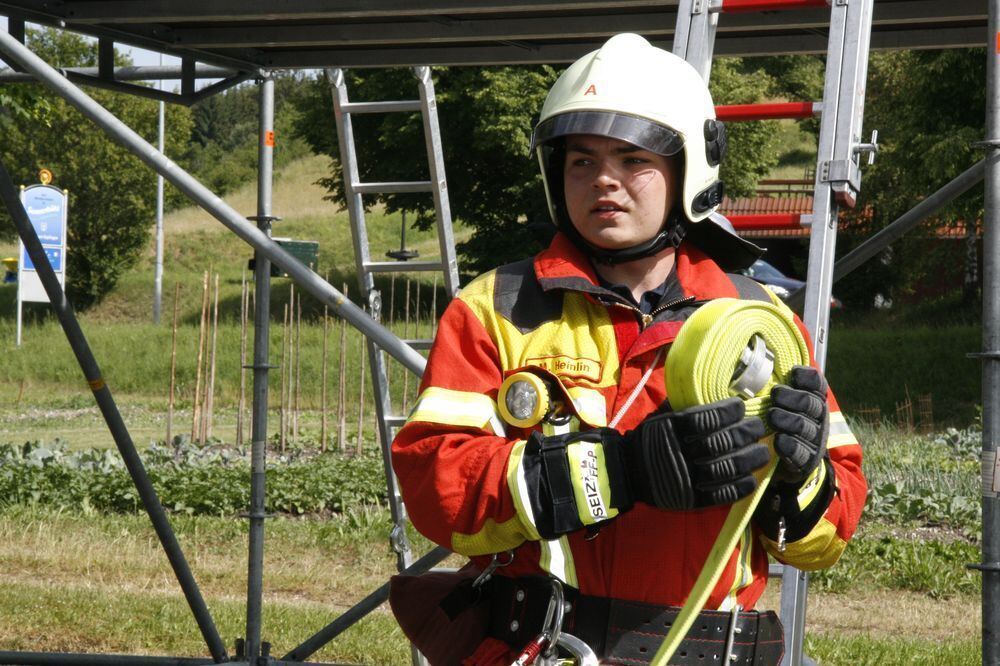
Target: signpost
{"type": "Point", "coordinates": [47, 207]}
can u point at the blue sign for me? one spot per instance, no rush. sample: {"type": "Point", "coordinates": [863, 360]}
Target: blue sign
{"type": "Point", "coordinates": [46, 208]}
{"type": "Point", "coordinates": [55, 255]}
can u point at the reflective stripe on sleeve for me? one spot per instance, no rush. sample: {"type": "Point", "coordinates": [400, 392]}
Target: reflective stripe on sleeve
{"type": "Point", "coordinates": [518, 487]}
{"type": "Point", "coordinates": [840, 432]}
{"type": "Point", "coordinates": [457, 408]}
{"type": "Point", "coordinates": [557, 558]}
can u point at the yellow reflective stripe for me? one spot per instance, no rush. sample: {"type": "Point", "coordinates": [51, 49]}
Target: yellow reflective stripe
{"type": "Point", "coordinates": [518, 487]}
{"type": "Point", "coordinates": [840, 432]}
{"type": "Point", "coordinates": [458, 408]}
{"type": "Point", "coordinates": [819, 549]}
{"type": "Point", "coordinates": [590, 405]}
{"type": "Point", "coordinates": [589, 477]}
{"type": "Point", "coordinates": [744, 571]}
{"type": "Point", "coordinates": [813, 484]}
{"type": "Point", "coordinates": [557, 558]}
{"type": "Point", "coordinates": [572, 425]}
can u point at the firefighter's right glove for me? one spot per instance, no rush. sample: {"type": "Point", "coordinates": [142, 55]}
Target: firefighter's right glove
{"type": "Point", "coordinates": [673, 460]}
{"type": "Point", "coordinates": [698, 457]}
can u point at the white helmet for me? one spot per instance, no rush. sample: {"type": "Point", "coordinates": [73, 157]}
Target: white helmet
{"type": "Point", "coordinates": [635, 92]}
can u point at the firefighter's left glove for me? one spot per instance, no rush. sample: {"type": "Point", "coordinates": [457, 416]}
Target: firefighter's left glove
{"type": "Point", "coordinates": [800, 419]}
{"type": "Point", "coordinates": [574, 480]}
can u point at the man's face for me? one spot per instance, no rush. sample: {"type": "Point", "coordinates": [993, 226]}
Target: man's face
{"type": "Point", "coordinates": [617, 195]}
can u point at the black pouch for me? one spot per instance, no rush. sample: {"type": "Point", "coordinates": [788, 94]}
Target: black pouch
{"type": "Point", "coordinates": [442, 614]}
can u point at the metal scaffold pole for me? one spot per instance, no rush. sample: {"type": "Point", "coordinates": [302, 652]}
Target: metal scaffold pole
{"type": "Point", "coordinates": [990, 355]}
{"type": "Point", "coordinates": [261, 366]}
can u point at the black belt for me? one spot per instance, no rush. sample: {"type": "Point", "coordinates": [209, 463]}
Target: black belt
{"type": "Point", "coordinates": [628, 632]}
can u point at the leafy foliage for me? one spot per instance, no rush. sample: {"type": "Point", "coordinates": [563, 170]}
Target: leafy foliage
{"type": "Point", "coordinates": [194, 480]}
{"type": "Point", "coordinates": [112, 195]}
{"type": "Point", "coordinates": [222, 152]}
{"type": "Point", "coordinates": [924, 480]}
{"type": "Point", "coordinates": [932, 566]}
{"type": "Point", "coordinates": [928, 108]}
{"type": "Point", "coordinates": [486, 116]}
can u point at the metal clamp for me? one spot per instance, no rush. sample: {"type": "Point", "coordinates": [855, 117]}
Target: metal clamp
{"type": "Point", "coordinates": [733, 630]}
{"type": "Point", "coordinates": [494, 564]}
{"type": "Point", "coordinates": [870, 148]}
{"type": "Point", "coordinates": [992, 567]}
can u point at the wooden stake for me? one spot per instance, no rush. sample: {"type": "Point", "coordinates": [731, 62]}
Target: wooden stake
{"type": "Point", "coordinates": [392, 320]}
{"type": "Point", "coordinates": [241, 403]}
{"type": "Point", "coordinates": [342, 396]}
{"type": "Point", "coordinates": [322, 401]}
{"type": "Point", "coordinates": [361, 397]}
{"type": "Point", "coordinates": [210, 383]}
{"type": "Point", "coordinates": [416, 312]}
{"type": "Point", "coordinates": [284, 359]}
{"type": "Point", "coordinates": [196, 416]}
{"type": "Point", "coordinates": [406, 335]}
{"type": "Point", "coordinates": [173, 368]}
{"type": "Point", "coordinates": [434, 307]}
{"type": "Point", "coordinates": [298, 369]}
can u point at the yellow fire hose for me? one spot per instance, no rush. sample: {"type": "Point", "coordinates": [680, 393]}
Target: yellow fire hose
{"type": "Point", "coordinates": [728, 347]}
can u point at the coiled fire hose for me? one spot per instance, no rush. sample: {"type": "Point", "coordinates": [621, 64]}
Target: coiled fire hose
{"type": "Point", "coordinates": [729, 347]}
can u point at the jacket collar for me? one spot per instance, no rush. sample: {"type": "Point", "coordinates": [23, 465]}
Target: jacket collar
{"type": "Point", "coordinates": [564, 266]}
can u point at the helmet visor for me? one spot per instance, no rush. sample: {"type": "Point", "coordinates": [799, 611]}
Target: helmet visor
{"type": "Point", "coordinates": [631, 129]}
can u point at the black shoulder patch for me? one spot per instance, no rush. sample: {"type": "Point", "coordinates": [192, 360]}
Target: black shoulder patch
{"type": "Point", "coordinates": [518, 298]}
{"type": "Point", "coordinates": [749, 289]}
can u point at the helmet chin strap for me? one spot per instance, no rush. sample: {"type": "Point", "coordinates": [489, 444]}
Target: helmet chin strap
{"type": "Point", "coordinates": [670, 235]}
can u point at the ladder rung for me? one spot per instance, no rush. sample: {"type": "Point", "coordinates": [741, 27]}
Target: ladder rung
{"type": "Point", "coordinates": [403, 266]}
{"type": "Point", "coordinates": [766, 221]}
{"type": "Point", "coordinates": [395, 421]}
{"type": "Point", "coordinates": [381, 107]}
{"type": "Point", "coordinates": [737, 6]}
{"type": "Point", "coordinates": [392, 188]}
{"type": "Point", "coordinates": [419, 343]}
{"type": "Point", "coordinates": [775, 569]}
{"type": "Point", "coordinates": [778, 110]}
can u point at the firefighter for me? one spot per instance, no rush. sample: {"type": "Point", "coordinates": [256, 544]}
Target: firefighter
{"type": "Point", "coordinates": [621, 498]}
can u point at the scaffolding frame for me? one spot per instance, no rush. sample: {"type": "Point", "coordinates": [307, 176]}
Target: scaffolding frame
{"type": "Point", "coordinates": [267, 251]}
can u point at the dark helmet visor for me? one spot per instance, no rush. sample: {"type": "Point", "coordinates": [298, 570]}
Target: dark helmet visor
{"type": "Point", "coordinates": [631, 129]}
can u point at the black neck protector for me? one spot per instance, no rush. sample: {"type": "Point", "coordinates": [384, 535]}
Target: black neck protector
{"type": "Point", "coordinates": [670, 235]}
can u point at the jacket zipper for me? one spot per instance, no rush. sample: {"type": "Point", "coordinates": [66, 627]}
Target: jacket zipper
{"type": "Point", "coordinates": [647, 319]}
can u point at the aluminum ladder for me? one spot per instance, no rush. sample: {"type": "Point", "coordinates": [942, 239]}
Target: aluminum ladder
{"type": "Point", "coordinates": [837, 181]}
{"type": "Point", "coordinates": [354, 189]}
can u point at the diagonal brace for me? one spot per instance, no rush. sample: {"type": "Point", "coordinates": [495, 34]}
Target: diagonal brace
{"type": "Point", "coordinates": [105, 401]}
{"type": "Point", "coordinates": [907, 221]}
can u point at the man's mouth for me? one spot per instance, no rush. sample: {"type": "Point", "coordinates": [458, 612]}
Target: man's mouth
{"type": "Point", "coordinates": [606, 208]}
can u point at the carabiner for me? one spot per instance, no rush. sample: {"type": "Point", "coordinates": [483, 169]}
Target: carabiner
{"type": "Point", "coordinates": [494, 564]}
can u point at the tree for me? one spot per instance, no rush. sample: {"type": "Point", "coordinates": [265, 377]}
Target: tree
{"type": "Point", "coordinates": [486, 115]}
{"type": "Point", "coordinates": [928, 108]}
{"type": "Point", "coordinates": [223, 150]}
{"type": "Point", "coordinates": [112, 194]}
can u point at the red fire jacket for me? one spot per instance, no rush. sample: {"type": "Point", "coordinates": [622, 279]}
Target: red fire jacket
{"type": "Point", "coordinates": [458, 463]}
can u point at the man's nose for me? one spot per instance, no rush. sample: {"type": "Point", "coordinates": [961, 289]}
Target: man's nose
{"type": "Point", "coordinates": [607, 177]}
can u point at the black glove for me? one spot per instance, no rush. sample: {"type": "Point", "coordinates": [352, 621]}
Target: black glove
{"type": "Point", "coordinates": [698, 457]}
{"type": "Point", "coordinates": [673, 460]}
{"type": "Point", "coordinates": [800, 419]}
